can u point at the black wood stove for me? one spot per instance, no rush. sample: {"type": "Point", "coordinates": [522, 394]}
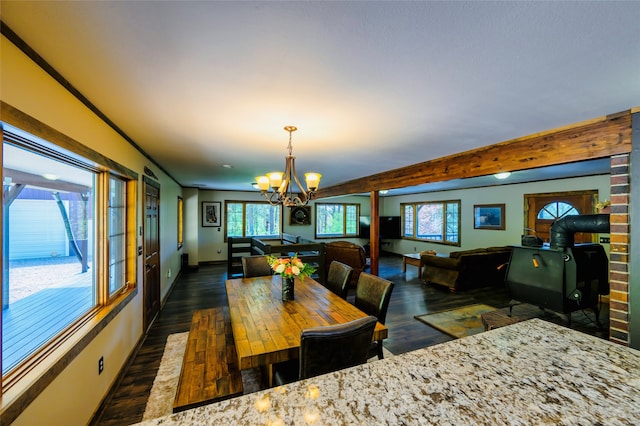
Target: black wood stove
{"type": "Point", "coordinates": [562, 277]}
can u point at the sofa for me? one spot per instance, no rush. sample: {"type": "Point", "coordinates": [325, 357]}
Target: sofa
{"type": "Point", "coordinates": [349, 253]}
{"type": "Point", "coordinates": [467, 269]}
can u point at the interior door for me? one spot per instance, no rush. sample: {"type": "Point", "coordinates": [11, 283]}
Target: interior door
{"type": "Point", "coordinates": [151, 252]}
{"type": "Point", "coordinates": [543, 209]}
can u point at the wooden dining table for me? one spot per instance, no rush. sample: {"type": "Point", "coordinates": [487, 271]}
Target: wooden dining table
{"type": "Point", "coordinates": [266, 329]}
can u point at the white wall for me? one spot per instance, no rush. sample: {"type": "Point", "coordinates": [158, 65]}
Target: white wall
{"type": "Point", "coordinates": [511, 195]}
{"type": "Point", "coordinates": [73, 397]}
{"type": "Point", "coordinates": [211, 240]}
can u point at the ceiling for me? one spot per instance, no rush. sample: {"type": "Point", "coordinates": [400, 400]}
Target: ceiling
{"type": "Point", "coordinates": [371, 86]}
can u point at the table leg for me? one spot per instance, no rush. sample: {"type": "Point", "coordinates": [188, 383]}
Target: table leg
{"type": "Point", "coordinates": [404, 264]}
{"type": "Point", "coordinates": [270, 375]}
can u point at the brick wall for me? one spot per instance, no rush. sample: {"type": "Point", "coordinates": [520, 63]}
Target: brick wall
{"type": "Point", "coordinates": [619, 250]}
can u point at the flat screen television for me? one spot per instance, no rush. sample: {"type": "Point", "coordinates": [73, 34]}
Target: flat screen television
{"type": "Point", "coordinates": [390, 227]}
{"type": "Point", "coordinates": [365, 224]}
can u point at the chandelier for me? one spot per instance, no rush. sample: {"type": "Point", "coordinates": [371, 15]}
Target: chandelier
{"type": "Point", "coordinates": [282, 183]}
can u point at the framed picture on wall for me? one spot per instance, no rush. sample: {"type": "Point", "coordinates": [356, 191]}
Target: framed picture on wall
{"type": "Point", "coordinates": [211, 214]}
{"type": "Point", "coordinates": [180, 222]}
{"type": "Point", "coordinates": [300, 216]}
{"type": "Point", "coordinates": [488, 216]}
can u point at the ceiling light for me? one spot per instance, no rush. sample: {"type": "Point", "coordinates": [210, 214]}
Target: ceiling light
{"type": "Point", "coordinates": [50, 176]}
{"type": "Point", "coordinates": [383, 191]}
{"type": "Point", "coordinates": [502, 175]}
{"type": "Point", "coordinates": [282, 183]}
{"type": "Point", "coordinates": [227, 166]}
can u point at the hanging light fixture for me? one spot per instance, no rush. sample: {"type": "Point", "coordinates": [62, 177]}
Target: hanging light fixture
{"type": "Point", "coordinates": [282, 183]}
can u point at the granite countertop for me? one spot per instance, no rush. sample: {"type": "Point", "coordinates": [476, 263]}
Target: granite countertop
{"type": "Point", "coordinates": [532, 372]}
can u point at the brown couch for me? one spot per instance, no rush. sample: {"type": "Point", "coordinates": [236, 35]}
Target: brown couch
{"type": "Point", "coordinates": [467, 268]}
{"type": "Point", "coordinates": [348, 253]}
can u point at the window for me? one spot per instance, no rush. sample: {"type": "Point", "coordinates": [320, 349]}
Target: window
{"type": "Point", "coordinates": [434, 221]}
{"type": "Point", "coordinates": [252, 219]}
{"type": "Point", "coordinates": [337, 220]}
{"type": "Point", "coordinates": [116, 212]}
{"type": "Point", "coordinates": [557, 210]}
{"type": "Point", "coordinates": [62, 259]}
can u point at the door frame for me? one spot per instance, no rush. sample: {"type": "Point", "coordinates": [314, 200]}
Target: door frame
{"type": "Point", "coordinates": [148, 320]}
{"type": "Point", "coordinates": [592, 195]}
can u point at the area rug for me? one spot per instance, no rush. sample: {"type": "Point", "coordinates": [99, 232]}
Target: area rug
{"type": "Point", "coordinates": [459, 322]}
{"type": "Point", "coordinates": [163, 391]}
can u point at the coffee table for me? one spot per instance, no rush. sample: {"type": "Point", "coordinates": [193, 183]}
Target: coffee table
{"type": "Point", "coordinates": [412, 259]}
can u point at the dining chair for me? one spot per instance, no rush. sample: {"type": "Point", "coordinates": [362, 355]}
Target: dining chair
{"type": "Point", "coordinates": [372, 297]}
{"type": "Point", "coordinates": [255, 266]}
{"type": "Point", "coordinates": [338, 278]}
{"type": "Point", "coordinates": [328, 348]}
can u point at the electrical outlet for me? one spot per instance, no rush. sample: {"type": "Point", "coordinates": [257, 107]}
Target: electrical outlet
{"type": "Point", "coordinates": [100, 365]}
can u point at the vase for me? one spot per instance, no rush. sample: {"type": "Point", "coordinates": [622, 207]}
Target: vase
{"type": "Point", "coordinates": [287, 288]}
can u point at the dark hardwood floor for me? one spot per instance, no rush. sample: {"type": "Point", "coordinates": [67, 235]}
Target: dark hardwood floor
{"type": "Point", "coordinates": [205, 289]}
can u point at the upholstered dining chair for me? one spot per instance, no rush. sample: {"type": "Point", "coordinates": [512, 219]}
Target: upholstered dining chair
{"type": "Point", "coordinates": [255, 266]}
{"type": "Point", "coordinates": [328, 348]}
{"type": "Point", "coordinates": [338, 278]}
{"type": "Point", "coordinates": [372, 297]}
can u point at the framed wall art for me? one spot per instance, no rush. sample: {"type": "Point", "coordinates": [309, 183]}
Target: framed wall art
{"type": "Point", "coordinates": [211, 214]}
{"type": "Point", "coordinates": [180, 222]}
{"type": "Point", "coordinates": [300, 215]}
{"type": "Point", "coordinates": [488, 216]}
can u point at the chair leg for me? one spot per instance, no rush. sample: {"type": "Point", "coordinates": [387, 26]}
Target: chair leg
{"type": "Point", "coordinates": [380, 355]}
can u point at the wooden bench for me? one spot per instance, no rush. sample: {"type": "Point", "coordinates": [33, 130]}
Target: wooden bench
{"type": "Point", "coordinates": [210, 370]}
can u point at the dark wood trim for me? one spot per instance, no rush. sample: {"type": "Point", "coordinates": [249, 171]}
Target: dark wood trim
{"type": "Point", "coordinates": [598, 138]}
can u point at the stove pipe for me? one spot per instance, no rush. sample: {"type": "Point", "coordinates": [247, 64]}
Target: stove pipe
{"type": "Point", "coordinates": [562, 230]}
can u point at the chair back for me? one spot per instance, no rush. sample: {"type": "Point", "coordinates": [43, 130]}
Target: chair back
{"type": "Point", "coordinates": [255, 266]}
{"type": "Point", "coordinates": [338, 278]}
{"type": "Point", "coordinates": [334, 347]}
{"type": "Point", "coordinates": [373, 295]}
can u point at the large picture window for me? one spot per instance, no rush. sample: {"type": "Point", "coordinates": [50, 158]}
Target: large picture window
{"type": "Point", "coordinates": [252, 219]}
{"type": "Point", "coordinates": [337, 220]}
{"type": "Point", "coordinates": [62, 259]}
{"type": "Point", "coordinates": [433, 221]}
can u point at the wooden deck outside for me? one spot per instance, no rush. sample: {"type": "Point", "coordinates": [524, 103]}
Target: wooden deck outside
{"type": "Point", "coordinates": [29, 322]}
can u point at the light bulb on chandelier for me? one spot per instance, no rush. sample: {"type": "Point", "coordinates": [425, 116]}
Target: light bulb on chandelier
{"type": "Point", "coordinates": [282, 183]}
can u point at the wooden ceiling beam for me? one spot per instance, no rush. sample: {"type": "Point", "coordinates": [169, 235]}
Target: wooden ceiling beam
{"type": "Point", "coordinates": [588, 140]}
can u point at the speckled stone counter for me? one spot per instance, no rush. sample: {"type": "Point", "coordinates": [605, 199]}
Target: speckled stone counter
{"type": "Point", "coordinates": [533, 372]}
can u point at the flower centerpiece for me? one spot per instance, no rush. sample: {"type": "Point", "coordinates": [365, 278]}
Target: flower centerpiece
{"type": "Point", "coordinates": [289, 268]}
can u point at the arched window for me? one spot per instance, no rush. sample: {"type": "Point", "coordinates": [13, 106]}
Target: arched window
{"type": "Point", "coordinates": [557, 210]}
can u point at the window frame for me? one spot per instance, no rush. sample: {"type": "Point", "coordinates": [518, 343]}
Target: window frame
{"type": "Point", "coordinates": [443, 203]}
{"type": "Point", "coordinates": [345, 219]}
{"type": "Point", "coordinates": [39, 138]}
{"type": "Point", "coordinates": [244, 204]}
